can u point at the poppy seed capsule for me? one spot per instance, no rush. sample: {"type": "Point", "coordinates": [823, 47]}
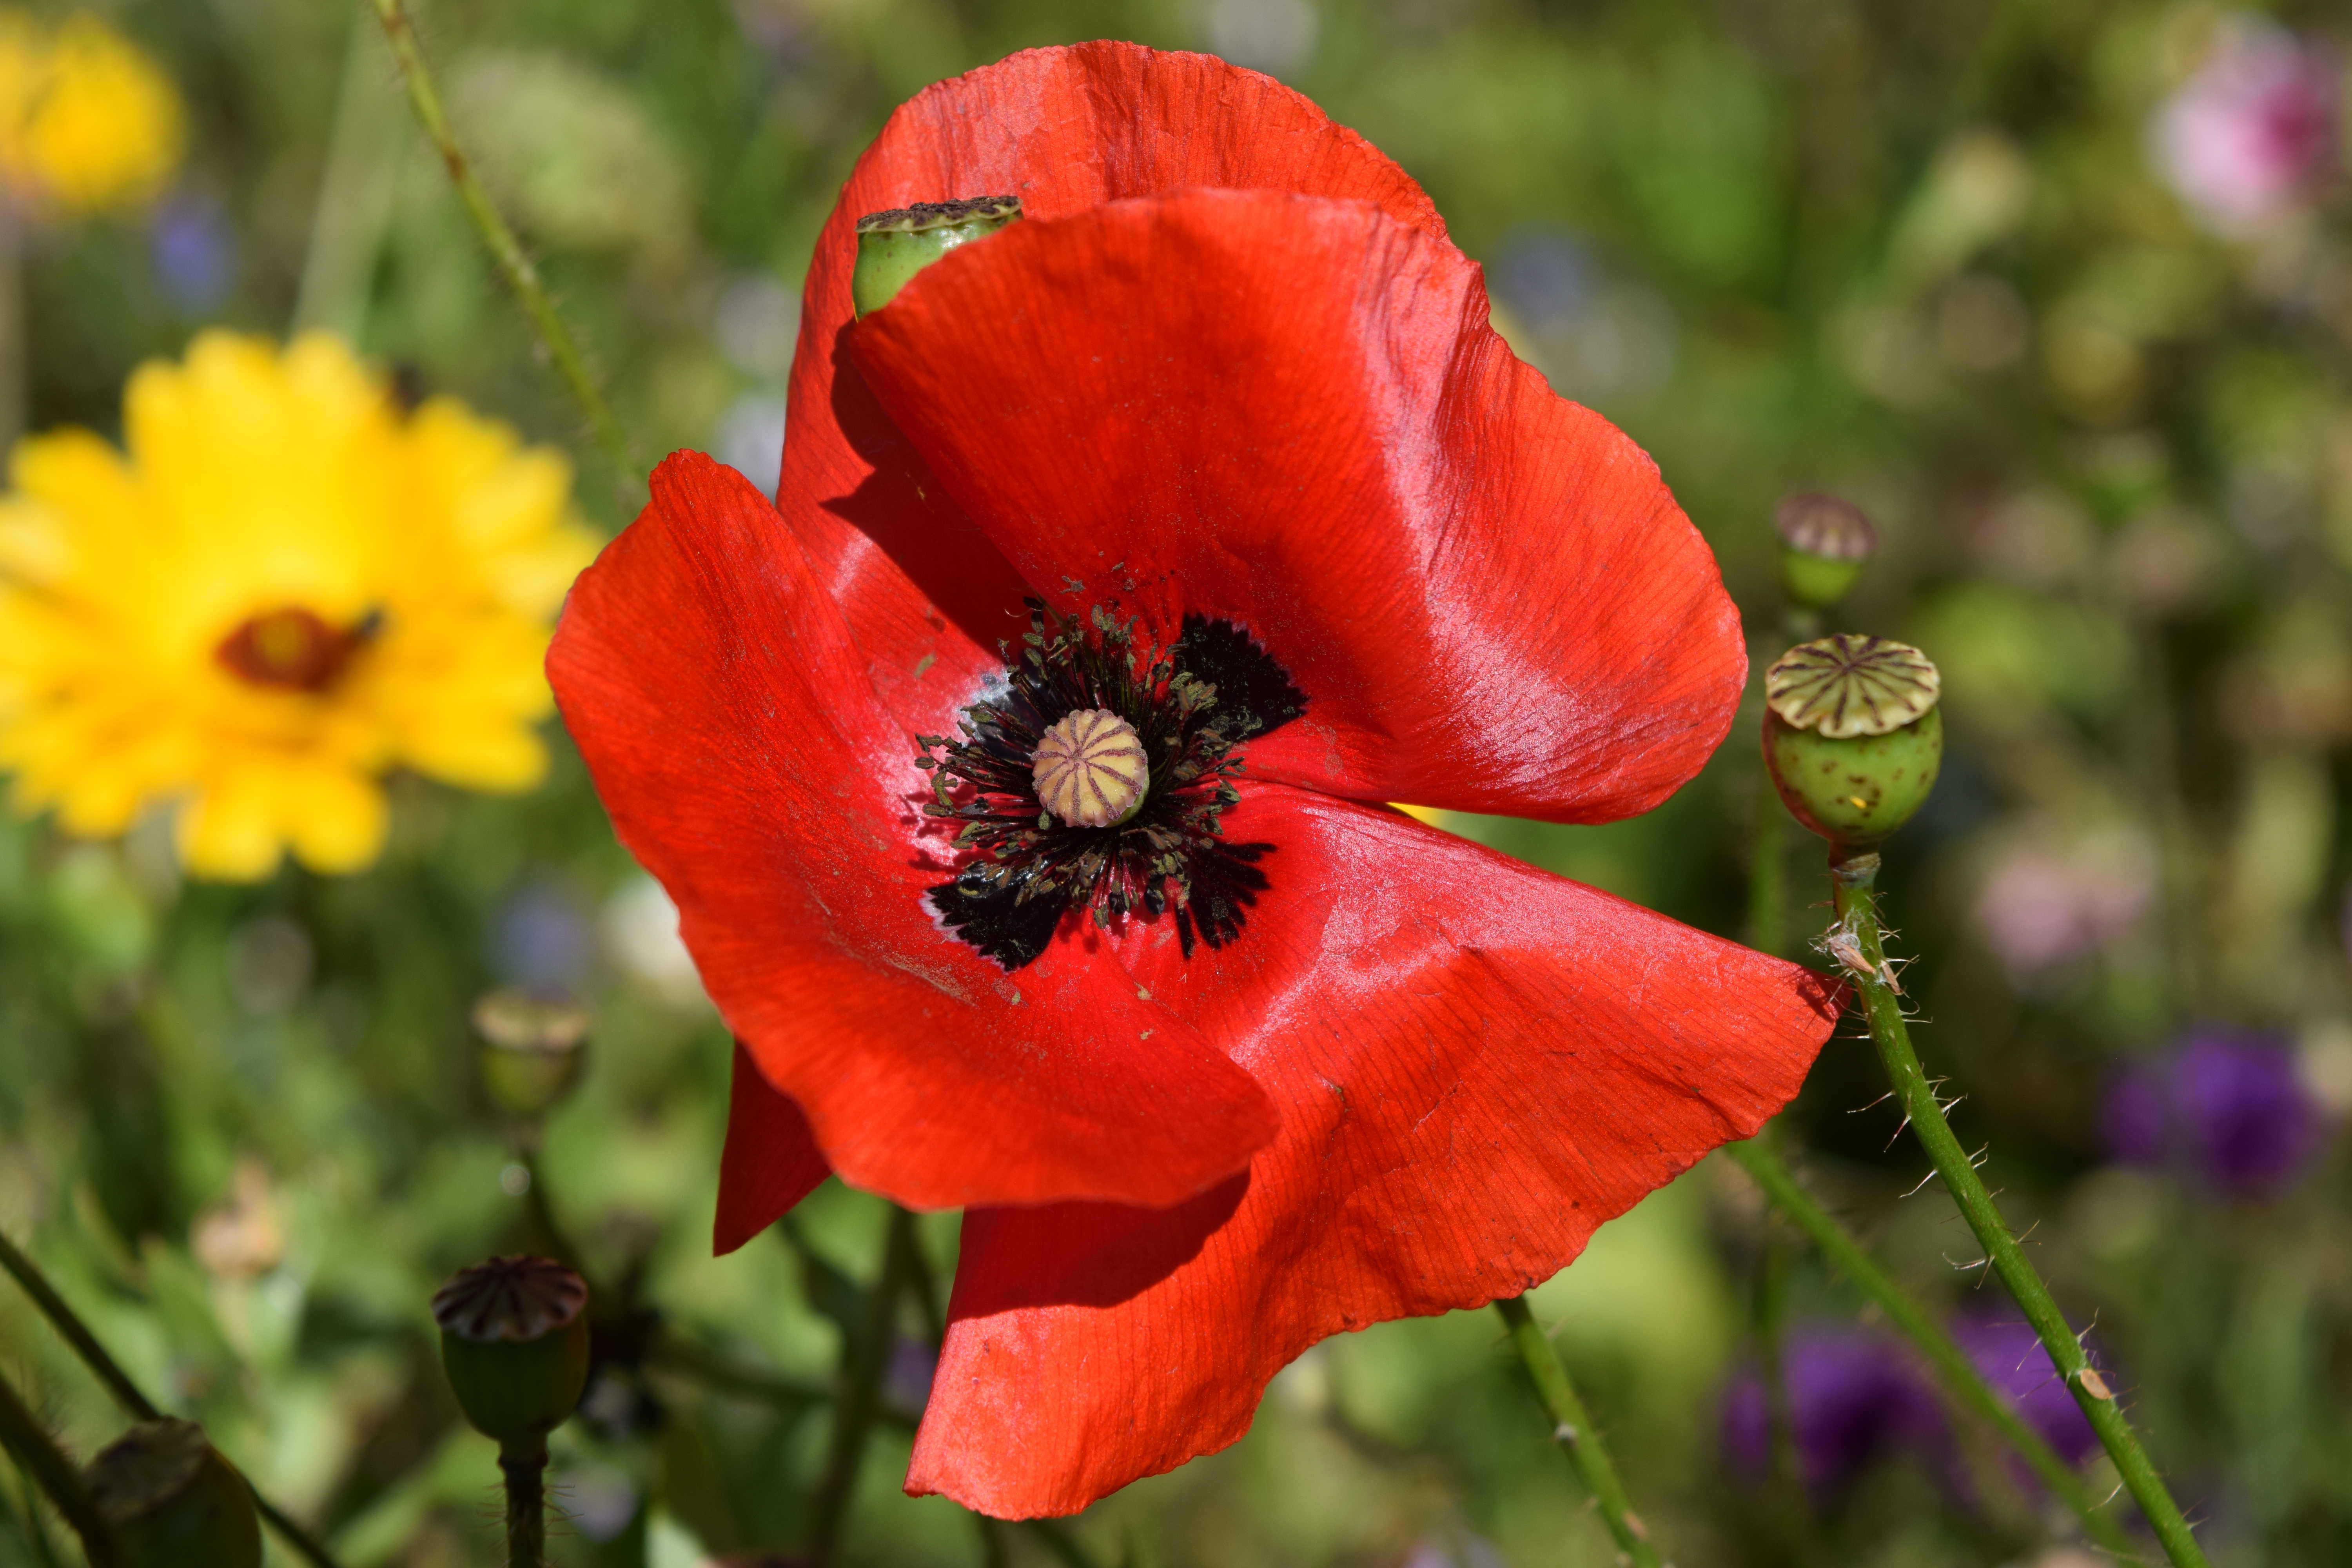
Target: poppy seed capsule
{"type": "Point", "coordinates": [173, 1501]}
{"type": "Point", "coordinates": [893, 245]}
{"type": "Point", "coordinates": [1090, 768]}
{"type": "Point", "coordinates": [1824, 540]}
{"type": "Point", "coordinates": [1851, 735]}
{"type": "Point", "coordinates": [532, 1050]}
{"type": "Point", "coordinates": [514, 1341]}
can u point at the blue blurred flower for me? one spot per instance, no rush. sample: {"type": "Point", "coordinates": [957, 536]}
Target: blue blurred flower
{"type": "Point", "coordinates": [1855, 1397]}
{"type": "Point", "coordinates": [2227, 1106]}
{"type": "Point", "coordinates": [194, 250]}
{"type": "Point", "coordinates": [540, 940]}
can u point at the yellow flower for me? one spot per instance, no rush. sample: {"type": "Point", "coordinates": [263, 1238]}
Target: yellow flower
{"type": "Point", "coordinates": [86, 121]}
{"type": "Point", "coordinates": [284, 587]}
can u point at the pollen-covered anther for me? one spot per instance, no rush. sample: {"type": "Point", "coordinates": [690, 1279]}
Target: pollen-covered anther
{"type": "Point", "coordinates": [1090, 768]}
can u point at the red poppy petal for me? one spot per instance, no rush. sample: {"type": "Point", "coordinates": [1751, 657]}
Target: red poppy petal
{"type": "Point", "coordinates": [745, 762]}
{"type": "Point", "coordinates": [1064, 129]}
{"type": "Point", "coordinates": [770, 1160]}
{"type": "Point", "coordinates": [1477, 1063]}
{"type": "Point", "coordinates": [1291, 413]}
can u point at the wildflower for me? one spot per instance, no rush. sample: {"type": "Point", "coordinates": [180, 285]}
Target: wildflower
{"type": "Point", "coordinates": [283, 587]}
{"type": "Point", "coordinates": [2039, 911]}
{"type": "Point", "coordinates": [2010, 1356]}
{"type": "Point", "coordinates": [2245, 138]}
{"type": "Point", "coordinates": [1854, 1398]}
{"type": "Point", "coordinates": [1256, 1060]}
{"type": "Point", "coordinates": [87, 120]}
{"type": "Point", "coordinates": [2227, 1106]}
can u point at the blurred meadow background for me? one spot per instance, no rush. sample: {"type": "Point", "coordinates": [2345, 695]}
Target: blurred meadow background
{"type": "Point", "coordinates": [2059, 291]}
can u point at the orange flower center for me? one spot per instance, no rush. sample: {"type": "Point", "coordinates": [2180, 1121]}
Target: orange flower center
{"type": "Point", "coordinates": [293, 649]}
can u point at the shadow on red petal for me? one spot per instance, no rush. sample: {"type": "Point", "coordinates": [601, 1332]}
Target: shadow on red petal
{"type": "Point", "coordinates": [1082, 1255]}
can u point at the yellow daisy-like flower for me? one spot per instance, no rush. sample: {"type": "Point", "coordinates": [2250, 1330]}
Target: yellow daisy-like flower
{"type": "Point", "coordinates": [86, 121]}
{"type": "Point", "coordinates": [285, 586]}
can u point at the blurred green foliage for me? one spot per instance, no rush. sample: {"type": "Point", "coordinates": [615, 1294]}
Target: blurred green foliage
{"type": "Point", "coordinates": [1918, 255]}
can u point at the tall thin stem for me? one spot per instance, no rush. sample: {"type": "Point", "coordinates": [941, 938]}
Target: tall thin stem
{"type": "Point", "coordinates": [1852, 880]}
{"type": "Point", "coordinates": [127, 1394]}
{"type": "Point", "coordinates": [865, 1360]}
{"type": "Point", "coordinates": [1573, 1429]}
{"type": "Point", "coordinates": [524, 1466]}
{"type": "Point", "coordinates": [513, 263]}
{"type": "Point", "coordinates": [357, 192]}
{"type": "Point", "coordinates": [1962, 1382]}
{"type": "Point", "coordinates": [37, 1453]}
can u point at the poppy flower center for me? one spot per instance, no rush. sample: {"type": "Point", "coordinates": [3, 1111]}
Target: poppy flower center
{"type": "Point", "coordinates": [1096, 778]}
{"type": "Point", "coordinates": [1090, 770]}
{"type": "Point", "coordinates": [293, 649]}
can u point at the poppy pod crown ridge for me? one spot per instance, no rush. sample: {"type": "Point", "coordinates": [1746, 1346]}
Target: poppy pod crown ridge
{"type": "Point", "coordinates": [1224, 415]}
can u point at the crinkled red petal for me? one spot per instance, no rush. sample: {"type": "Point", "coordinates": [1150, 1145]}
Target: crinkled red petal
{"type": "Point", "coordinates": [770, 1161]}
{"type": "Point", "coordinates": [1477, 1063]}
{"type": "Point", "coordinates": [1290, 412]}
{"type": "Point", "coordinates": [1064, 129]}
{"type": "Point", "coordinates": [725, 715]}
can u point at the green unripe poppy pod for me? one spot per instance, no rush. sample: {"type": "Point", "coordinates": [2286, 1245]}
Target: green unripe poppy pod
{"type": "Point", "coordinates": [1853, 735]}
{"type": "Point", "coordinates": [514, 1340]}
{"type": "Point", "coordinates": [532, 1050]}
{"type": "Point", "coordinates": [1824, 540]}
{"type": "Point", "coordinates": [173, 1501]}
{"type": "Point", "coordinates": [893, 245]}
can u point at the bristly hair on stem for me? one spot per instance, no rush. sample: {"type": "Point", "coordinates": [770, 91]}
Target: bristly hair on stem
{"type": "Point", "coordinates": [514, 263]}
{"type": "Point", "coordinates": [1191, 703]}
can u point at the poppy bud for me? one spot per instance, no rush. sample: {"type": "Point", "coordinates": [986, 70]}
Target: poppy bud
{"type": "Point", "coordinates": [514, 1340]}
{"type": "Point", "coordinates": [1853, 735]}
{"type": "Point", "coordinates": [1824, 540]}
{"type": "Point", "coordinates": [173, 1501]}
{"type": "Point", "coordinates": [894, 246]}
{"type": "Point", "coordinates": [532, 1051]}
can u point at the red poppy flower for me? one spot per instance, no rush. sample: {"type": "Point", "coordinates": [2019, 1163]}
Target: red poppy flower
{"type": "Point", "coordinates": [1216, 443]}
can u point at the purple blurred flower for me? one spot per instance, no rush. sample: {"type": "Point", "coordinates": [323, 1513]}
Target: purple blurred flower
{"type": "Point", "coordinates": [2246, 136]}
{"type": "Point", "coordinates": [2228, 1105]}
{"type": "Point", "coordinates": [194, 250]}
{"type": "Point", "coordinates": [2010, 1355]}
{"type": "Point", "coordinates": [540, 941]}
{"type": "Point", "coordinates": [1853, 1397]}
{"type": "Point", "coordinates": [907, 1382]}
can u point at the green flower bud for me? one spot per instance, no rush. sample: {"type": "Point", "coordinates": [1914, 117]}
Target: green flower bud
{"type": "Point", "coordinates": [894, 246]}
{"type": "Point", "coordinates": [1824, 542]}
{"type": "Point", "coordinates": [1853, 735]}
{"type": "Point", "coordinates": [173, 1501]}
{"type": "Point", "coordinates": [514, 1340]}
{"type": "Point", "coordinates": [532, 1050]}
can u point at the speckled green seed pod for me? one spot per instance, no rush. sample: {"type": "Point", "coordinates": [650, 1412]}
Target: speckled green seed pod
{"type": "Point", "coordinates": [174, 1501]}
{"type": "Point", "coordinates": [1853, 735]}
{"type": "Point", "coordinates": [893, 245]}
{"type": "Point", "coordinates": [514, 1340]}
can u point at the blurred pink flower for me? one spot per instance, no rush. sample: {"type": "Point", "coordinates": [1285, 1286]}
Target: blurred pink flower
{"type": "Point", "coordinates": [2246, 136]}
{"type": "Point", "coordinates": [2038, 911]}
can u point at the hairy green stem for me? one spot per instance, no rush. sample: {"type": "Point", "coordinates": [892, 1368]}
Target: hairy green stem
{"type": "Point", "coordinates": [524, 1466]}
{"type": "Point", "coordinates": [865, 1360]}
{"type": "Point", "coordinates": [1963, 1384]}
{"type": "Point", "coordinates": [514, 264]}
{"type": "Point", "coordinates": [37, 1453]}
{"type": "Point", "coordinates": [1853, 877]}
{"type": "Point", "coordinates": [1573, 1429]}
{"type": "Point", "coordinates": [127, 1394]}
